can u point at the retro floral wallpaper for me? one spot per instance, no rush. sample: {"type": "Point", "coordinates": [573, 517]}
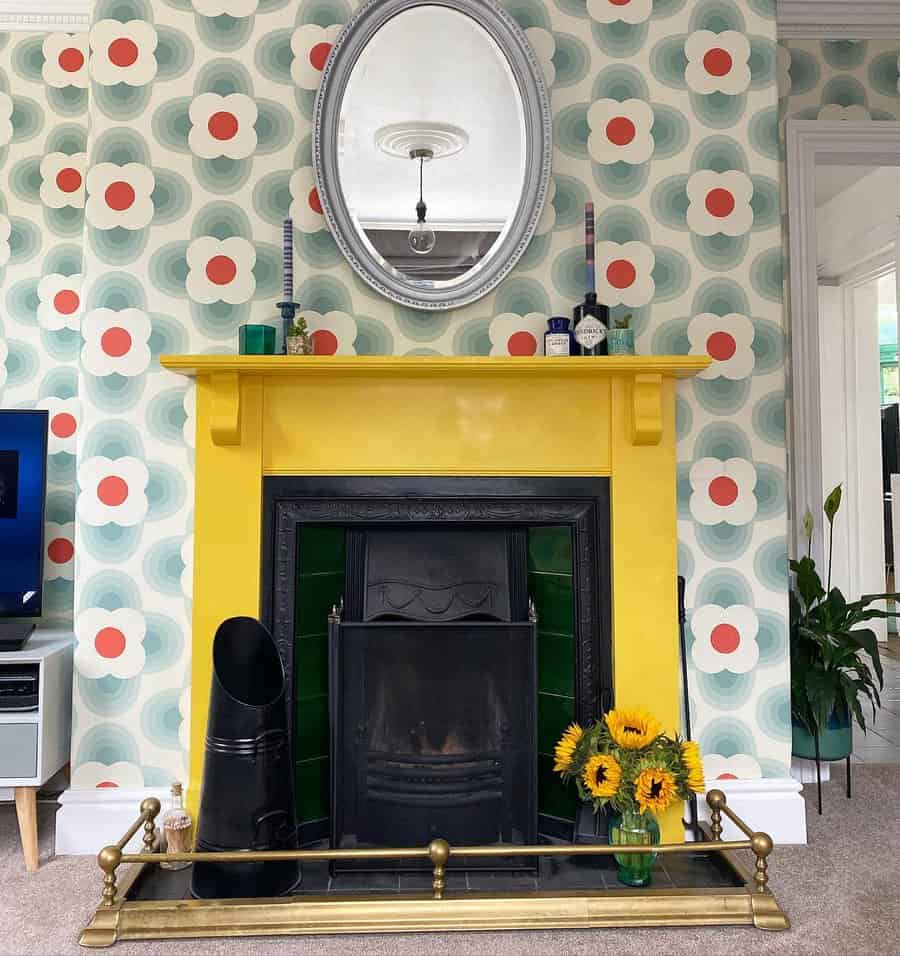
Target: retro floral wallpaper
{"type": "Point", "coordinates": [665, 113]}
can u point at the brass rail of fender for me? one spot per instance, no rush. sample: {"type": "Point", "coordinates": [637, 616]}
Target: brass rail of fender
{"type": "Point", "coordinates": [438, 851]}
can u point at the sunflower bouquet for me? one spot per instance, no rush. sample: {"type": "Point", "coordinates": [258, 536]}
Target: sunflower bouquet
{"type": "Point", "coordinates": [626, 761]}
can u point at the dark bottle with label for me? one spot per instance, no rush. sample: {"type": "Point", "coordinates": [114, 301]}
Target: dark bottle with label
{"type": "Point", "coordinates": [591, 327]}
{"type": "Point", "coordinates": [558, 340]}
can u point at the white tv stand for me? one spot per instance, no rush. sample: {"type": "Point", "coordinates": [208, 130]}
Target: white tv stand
{"type": "Point", "coordinates": [34, 744]}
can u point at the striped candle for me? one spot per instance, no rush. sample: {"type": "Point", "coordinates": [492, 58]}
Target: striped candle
{"type": "Point", "coordinates": [590, 248]}
{"type": "Point", "coordinates": [288, 255]}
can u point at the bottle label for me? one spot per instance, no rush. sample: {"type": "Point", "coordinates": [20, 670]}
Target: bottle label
{"type": "Point", "coordinates": [590, 332]}
{"type": "Point", "coordinates": [557, 343]}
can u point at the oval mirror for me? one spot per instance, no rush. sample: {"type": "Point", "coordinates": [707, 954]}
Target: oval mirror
{"type": "Point", "coordinates": [432, 148]}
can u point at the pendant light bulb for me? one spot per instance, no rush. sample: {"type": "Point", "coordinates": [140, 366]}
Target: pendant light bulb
{"type": "Point", "coordinates": [421, 236]}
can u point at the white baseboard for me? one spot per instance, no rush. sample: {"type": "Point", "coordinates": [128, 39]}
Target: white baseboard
{"type": "Point", "coordinates": [773, 806]}
{"type": "Point", "coordinates": [89, 820]}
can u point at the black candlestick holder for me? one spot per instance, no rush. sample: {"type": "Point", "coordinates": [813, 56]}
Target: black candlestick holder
{"type": "Point", "coordinates": [288, 313]}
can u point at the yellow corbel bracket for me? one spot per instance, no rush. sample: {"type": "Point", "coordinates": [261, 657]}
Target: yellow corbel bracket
{"type": "Point", "coordinates": [225, 417]}
{"type": "Point", "coordinates": [646, 412]}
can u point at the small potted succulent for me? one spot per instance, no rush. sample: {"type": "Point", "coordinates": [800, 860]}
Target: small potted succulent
{"type": "Point", "coordinates": [621, 337]}
{"type": "Point", "coordinates": [299, 341]}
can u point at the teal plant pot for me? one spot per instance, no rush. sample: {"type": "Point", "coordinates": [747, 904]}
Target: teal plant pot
{"type": "Point", "coordinates": [634, 829]}
{"type": "Point", "coordinates": [835, 739]}
{"type": "Point", "coordinates": [256, 340]}
{"type": "Point", "coordinates": [620, 341]}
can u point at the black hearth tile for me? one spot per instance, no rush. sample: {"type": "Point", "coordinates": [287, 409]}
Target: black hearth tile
{"type": "Point", "coordinates": [550, 549]}
{"type": "Point", "coordinates": [416, 882]}
{"type": "Point", "coordinates": [699, 870]}
{"type": "Point", "coordinates": [500, 882]}
{"type": "Point", "coordinates": [554, 715]}
{"type": "Point", "coordinates": [155, 883]}
{"type": "Point", "coordinates": [556, 664]}
{"type": "Point", "coordinates": [316, 876]}
{"type": "Point", "coordinates": [364, 883]}
{"type": "Point", "coordinates": [562, 873]}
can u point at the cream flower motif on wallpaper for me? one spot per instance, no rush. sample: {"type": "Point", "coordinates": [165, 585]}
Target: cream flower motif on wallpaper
{"type": "Point", "coordinates": [725, 638]}
{"type": "Point", "coordinates": [59, 551]}
{"type": "Point", "coordinates": [66, 60]}
{"type": "Point", "coordinates": [628, 11]}
{"type": "Point", "coordinates": [851, 114]}
{"type": "Point", "coordinates": [6, 112]}
{"type": "Point", "coordinates": [723, 491]}
{"type": "Point", "coordinates": [110, 643]}
{"type": "Point", "coordinates": [120, 196]}
{"type": "Point", "coordinates": [116, 342]}
{"type": "Point", "coordinates": [306, 206]}
{"type": "Point", "coordinates": [59, 302]}
{"type": "Point", "coordinates": [544, 45]}
{"type": "Point", "coordinates": [727, 340]}
{"type": "Point", "coordinates": [311, 46]}
{"type": "Point", "coordinates": [717, 62]}
{"type": "Point", "coordinates": [231, 8]}
{"type": "Point", "coordinates": [64, 417]}
{"type": "Point", "coordinates": [94, 775]}
{"type": "Point", "coordinates": [62, 180]}
{"type": "Point", "coordinates": [223, 126]}
{"type": "Point", "coordinates": [333, 333]}
{"type": "Point", "coordinates": [513, 334]}
{"type": "Point", "coordinates": [113, 491]}
{"type": "Point", "coordinates": [620, 131]}
{"type": "Point", "coordinates": [221, 270]}
{"type": "Point", "coordinates": [5, 233]}
{"type": "Point", "coordinates": [720, 203]}
{"type": "Point", "coordinates": [625, 273]}
{"type": "Point", "coordinates": [736, 767]}
{"type": "Point", "coordinates": [123, 52]}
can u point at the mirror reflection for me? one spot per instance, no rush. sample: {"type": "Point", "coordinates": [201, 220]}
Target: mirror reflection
{"type": "Point", "coordinates": [431, 146]}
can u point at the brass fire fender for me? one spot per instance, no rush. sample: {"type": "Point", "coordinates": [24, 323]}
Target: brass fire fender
{"type": "Point", "coordinates": [120, 919]}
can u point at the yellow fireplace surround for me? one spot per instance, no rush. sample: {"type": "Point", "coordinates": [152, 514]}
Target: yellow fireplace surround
{"type": "Point", "coordinates": [417, 416]}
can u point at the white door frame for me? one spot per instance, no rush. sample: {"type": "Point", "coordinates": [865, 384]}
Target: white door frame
{"type": "Point", "coordinates": [812, 143]}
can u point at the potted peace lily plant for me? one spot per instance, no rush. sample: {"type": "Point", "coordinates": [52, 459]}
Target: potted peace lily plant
{"type": "Point", "coordinates": [835, 663]}
{"type": "Point", "coordinates": [627, 763]}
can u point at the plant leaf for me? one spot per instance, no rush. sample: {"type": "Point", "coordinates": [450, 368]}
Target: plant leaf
{"type": "Point", "coordinates": [833, 503]}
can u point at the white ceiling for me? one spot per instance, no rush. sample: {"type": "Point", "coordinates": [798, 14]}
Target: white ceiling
{"type": "Point", "coordinates": [831, 181]}
{"type": "Point", "coordinates": [432, 64]}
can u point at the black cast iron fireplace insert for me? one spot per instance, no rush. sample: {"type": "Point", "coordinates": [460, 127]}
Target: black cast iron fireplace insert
{"type": "Point", "coordinates": [435, 626]}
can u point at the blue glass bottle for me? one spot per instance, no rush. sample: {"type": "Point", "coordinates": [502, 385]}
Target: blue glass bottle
{"type": "Point", "coordinates": [558, 340]}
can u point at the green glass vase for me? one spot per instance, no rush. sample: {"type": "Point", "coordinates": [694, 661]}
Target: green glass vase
{"type": "Point", "coordinates": [632, 828]}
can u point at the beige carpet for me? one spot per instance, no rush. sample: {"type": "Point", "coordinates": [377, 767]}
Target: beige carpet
{"type": "Point", "coordinates": [842, 893]}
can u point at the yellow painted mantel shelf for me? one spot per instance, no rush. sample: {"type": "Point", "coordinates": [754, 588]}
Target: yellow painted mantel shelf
{"type": "Point", "coordinates": [644, 375]}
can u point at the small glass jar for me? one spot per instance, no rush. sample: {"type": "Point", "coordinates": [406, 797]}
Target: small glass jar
{"type": "Point", "coordinates": [177, 826]}
{"type": "Point", "coordinates": [558, 340]}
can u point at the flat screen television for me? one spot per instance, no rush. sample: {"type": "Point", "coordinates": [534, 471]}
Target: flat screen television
{"type": "Point", "coordinates": [23, 482]}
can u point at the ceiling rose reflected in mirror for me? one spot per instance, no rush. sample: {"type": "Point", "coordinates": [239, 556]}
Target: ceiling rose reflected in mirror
{"type": "Point", "coordinates": [432, 147]}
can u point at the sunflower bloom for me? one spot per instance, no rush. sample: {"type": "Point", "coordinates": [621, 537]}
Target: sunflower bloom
{"type": "Point", "coordinates": [690, 754]}
{"type": "Point", "coordinates": [633, 729]}
{"type": "Point", "coordinates": [565, 749]}
{"type": "Point", "coordinates": [601, 775]}
{"type": "Point", "coordinates": [655, 789]}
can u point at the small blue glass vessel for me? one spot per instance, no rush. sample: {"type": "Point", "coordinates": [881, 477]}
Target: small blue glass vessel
{"type": "Point", "coordinates": [558, 340]}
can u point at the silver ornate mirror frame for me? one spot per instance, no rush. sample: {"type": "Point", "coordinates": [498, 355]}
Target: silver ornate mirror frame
{"type": "Point", "coordinates": [526, 69]}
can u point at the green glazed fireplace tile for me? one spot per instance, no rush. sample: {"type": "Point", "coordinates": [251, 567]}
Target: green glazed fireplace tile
{"type": "Point", "coordinates": [555, 798]}
{"type": "Point", "coordinates": [316, 595]}
{"type": "Point", "coordinates": [554, 715]}
{"type": "Point", "coordinates": [554, 601]}
{"type": "Point", "coordinates": [311, 666]}
{"type": "Point", "coordinates": [311, 727]}
{"type": "Point", "coordinates": [321, 550]}
{"type": "Point", "coordinates": [556, 664]}
{"type": "Point", "coordinates": [550, 549]}
{"type": "Point", "coordinates": [313, 786]}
